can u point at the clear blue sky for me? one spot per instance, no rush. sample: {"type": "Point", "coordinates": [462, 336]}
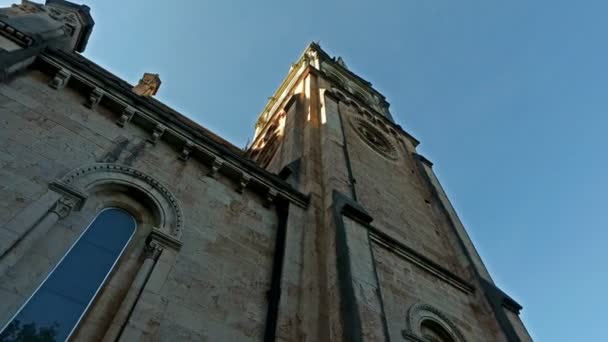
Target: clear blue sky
{"type": "Point", "coordinates": [509, 100]}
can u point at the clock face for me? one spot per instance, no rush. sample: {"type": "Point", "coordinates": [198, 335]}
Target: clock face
{"type": "Point", "coordinates": [374, 138]}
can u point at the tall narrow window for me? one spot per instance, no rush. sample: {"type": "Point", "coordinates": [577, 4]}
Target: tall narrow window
{"type": "Point", "coordinates": [434, 332]}
{"type": "Point", "coordinates": [54, 310]}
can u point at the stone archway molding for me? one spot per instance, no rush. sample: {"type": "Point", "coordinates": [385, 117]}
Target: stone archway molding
{"type": "Point", "coordinates": [420, 312]}
{"type": "Point", "coordinates": [82, 180]}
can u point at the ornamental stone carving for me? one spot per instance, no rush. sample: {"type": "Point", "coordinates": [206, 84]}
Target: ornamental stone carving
{"type": "Point", "coordinates": [64, 206]}
{"type": "Point", "coordinates": [152, 250]}
{"type": "Point", "coordinates": [244, 181]}
{"type": "Point", "coordinates": [94, 98]}
{"type": "Point", "coordinates": [60, 24]}
{"type": "Point", "coordinates": [186, 150]}
{"type": "Point", "coordinates": [61, 79]}
{"type": "Point", "coordinates": [374, 138]}
{"type": "Point", "coordinates": [217, 164]}
{"type": "Point", "coordinates": [158, 132]}
{"type": "Point", "coordinates": [420, 312]}
{"type": "Point", "coordinates": [127, 115]}
{"type": "Point", "coordinates": [169, 212]}
{"type": "Point", "coordinates": [270, 197]}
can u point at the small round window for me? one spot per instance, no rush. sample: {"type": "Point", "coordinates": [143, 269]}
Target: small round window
{"type": "Point", "coordinates": [374, 138]}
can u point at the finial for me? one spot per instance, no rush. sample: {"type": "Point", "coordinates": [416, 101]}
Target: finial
{"type": "Point", "coordinates": [148, 85]}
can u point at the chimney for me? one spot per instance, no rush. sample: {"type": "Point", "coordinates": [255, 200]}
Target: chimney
{"type": "Point", "coordinates": [148, 85]}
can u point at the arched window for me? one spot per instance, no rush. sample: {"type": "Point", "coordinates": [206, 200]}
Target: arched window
{"type": "Point", "coordinates": [433, 332]}
{"type": "Point", "coordinates": [427, 323]}
{"type": "Point", "coordinates": [57, 306]}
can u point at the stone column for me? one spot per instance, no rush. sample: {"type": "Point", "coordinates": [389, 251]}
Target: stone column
{"type": "Point", "coordinates": [148, 306]}
{"type": "Point", "coordinates": [152, 251]}
{"type": "Point", "coordinates": [39, 229]}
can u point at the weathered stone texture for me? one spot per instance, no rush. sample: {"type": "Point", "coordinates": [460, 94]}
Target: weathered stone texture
{"type": "Point", "coordinates": [400, 205]}
{"type": "Point", "coordinates": [217, 287]}
{"type": "Point", "coordinates": [364, 280]}
{"type": "Point", "coordinates": [404, 284]}
{"type": "Point", "coordinates": [357, 237]}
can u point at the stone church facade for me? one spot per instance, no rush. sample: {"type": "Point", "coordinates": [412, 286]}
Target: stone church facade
{"type": "Point", "coordinates": [123, 220]}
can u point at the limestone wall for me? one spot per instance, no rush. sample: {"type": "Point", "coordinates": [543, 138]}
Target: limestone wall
{"type": "Point", "coordinates": [214, 288]}
{"type": "Point", "coordinates": [404, 285]}
{"type": "Point", "coordinates": [399, 202]}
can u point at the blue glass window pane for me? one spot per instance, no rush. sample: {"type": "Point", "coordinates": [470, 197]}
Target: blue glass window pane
{"type": "Point", "coordinates": [117, 227]}
{"type": "Point", "coordinates": [45, 312]}
{"type": "Point", "coordinates": [88, 264]}
{"type": "Point", "coordinates": [56, 307]}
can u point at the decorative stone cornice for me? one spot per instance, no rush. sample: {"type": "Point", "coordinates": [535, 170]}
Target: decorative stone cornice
{"type": "Point", "coordinates": [67, 11]}
{"type": "Point", "coordinates": [127, 115]}
{"type": "Point", "coordinates": [94, 98]}
{"type": "Point", "coordinates": [71, 199]}
{"type": "Point", "coordinates": [244, 181]}
{"type": "Point", "coordinates": [61, 79]}
{"type": "Point", "coordinates": [297, 71]}
{"type": "Point", "coordinates": [215, 166]}
{"type": "Point", "coordinates": [69, 191]}
{"type": "Point", "coordinates": [148, 113]}
{"type": "Point", "coordinates": [15, 35]}
{"type": "Point", "coordinates": [270, 197]}
{"type": "Point", "coordinates": [158, 132]}
{"type": "Point", "coordinates": [346, 206]}
{"type": "Point", "coordinates": [395, 246]}
{"type": "Point", "coordinates": [309, 63]}
{"type": "Point", "coordinates": [186, 150]}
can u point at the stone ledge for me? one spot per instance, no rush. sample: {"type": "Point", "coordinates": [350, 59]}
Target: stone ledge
{"type": "Point", "coordinates": [178, 131]}
{"type": "Point", "coordinates": [417, 259]}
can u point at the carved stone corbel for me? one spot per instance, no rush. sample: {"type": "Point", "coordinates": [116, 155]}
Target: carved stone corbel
{"type": "Point", "coordinates": [270, 197]}
{"type": "Point", "coordinates": [94, 98]}
{"type": "Point", "coordinates": [64, 206]}
{"type": "Point", "coordinates": [159, 130]}
{"type": "Point", "coordinates": [164, 240]}
{"type": "Point", "coordinates": [152, 250]}
{"type": "Point", "coordinates": [127, 115]}
{"type": "Point", "coordinates": [186, 150]}
{"type": "Point", "coordinates": [243, 182]}
{"type": "Point", "coordinates": [71, 198]}
{"type": "Point", "coordinates": [217, 164]}
{"type": "Point", "coordinates": [61, 79]}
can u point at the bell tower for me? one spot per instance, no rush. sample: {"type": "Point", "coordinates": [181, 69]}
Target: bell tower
{"type": "Point", "coordinates": [386, 256]}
